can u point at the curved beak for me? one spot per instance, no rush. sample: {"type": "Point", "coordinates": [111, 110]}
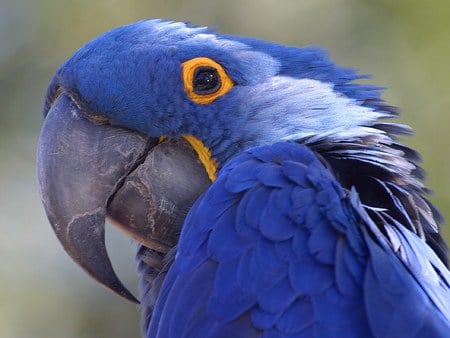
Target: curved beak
{"type": "Point", "coordinates": [88, 171]}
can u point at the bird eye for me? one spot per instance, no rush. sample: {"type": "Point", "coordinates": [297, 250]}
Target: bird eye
{"type": "Point", "coordinates": [205, 80]}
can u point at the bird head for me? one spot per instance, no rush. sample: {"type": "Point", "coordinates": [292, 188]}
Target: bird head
{"type": "Point", "coordinates": [139, 121]}
{"type": "Point", "coordinates": [168, 79]}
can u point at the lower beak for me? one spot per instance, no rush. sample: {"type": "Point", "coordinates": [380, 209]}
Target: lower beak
{"type": "Point", "coordinates": [88, 171]}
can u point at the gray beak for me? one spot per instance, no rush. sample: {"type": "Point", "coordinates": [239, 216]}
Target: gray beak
{"type": "Point", "coordinates": [88, 171]}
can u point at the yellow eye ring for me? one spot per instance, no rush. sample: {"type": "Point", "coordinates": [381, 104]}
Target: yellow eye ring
{"type": "Point", "coordinates": [205, 80]}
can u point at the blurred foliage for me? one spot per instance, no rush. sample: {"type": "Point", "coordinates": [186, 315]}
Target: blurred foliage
{"type": "Point", "coordinates": [404, 43]}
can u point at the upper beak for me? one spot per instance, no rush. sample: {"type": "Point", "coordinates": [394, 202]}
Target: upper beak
{"type": "Point", "coordinates": [88, 171]}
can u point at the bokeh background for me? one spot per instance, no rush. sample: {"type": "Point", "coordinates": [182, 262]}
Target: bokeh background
{"type": "Point", "coordinates": [405, 44]}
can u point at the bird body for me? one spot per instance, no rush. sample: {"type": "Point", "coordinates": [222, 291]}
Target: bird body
{"type": "Point", "coordinates": [282, 250]}
{"type": "Point", "coordinates": [300, 213]}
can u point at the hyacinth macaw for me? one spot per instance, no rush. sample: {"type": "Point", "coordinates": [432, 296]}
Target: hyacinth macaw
{"type": "Point", "coordinates": [268, 194]}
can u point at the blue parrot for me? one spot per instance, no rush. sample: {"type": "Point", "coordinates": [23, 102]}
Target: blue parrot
{"type": "Point", "coordinates": [267, 192]}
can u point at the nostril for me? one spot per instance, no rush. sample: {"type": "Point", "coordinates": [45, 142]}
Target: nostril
{"type": "Point", "coordinates": [53, 92]}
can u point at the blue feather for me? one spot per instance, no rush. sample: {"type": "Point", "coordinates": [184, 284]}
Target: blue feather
{"type": "Point", "coordinates": [223, 233]}
{"type": "Point", "coordinates": [297, 318]}
{"type": "Point", "coordinates": [273, 224]}
{"type": "Point", "coordinates": [277, 298]}
{"type": "Point", "coordinates": [333, 274]}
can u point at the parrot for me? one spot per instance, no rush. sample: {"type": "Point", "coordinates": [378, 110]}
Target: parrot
{"type": "Point", "coordinates": [265, 186]}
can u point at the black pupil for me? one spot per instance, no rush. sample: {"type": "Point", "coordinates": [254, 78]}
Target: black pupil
{"type": "Point", "coordinates": [206, 80]}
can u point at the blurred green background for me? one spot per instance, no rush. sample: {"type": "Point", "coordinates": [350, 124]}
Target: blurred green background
{"type": "Point", "coordinates": [404, 43]}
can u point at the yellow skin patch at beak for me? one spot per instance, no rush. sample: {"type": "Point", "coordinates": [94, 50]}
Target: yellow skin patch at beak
{"type": "Point", "coordinates": [204, 155]}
